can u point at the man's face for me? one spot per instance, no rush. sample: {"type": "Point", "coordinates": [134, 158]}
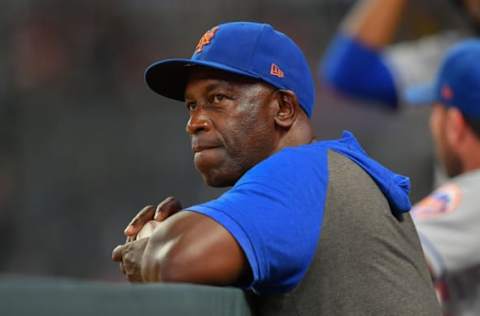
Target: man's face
{"type": "Point", "coordinates": [447, 156]}
{"type": "Point", "coordinates": [231, 124]}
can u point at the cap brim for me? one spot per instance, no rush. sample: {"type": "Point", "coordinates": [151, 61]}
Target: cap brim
{"type": "Point", "coordinates": [420, 95]}
{"type": "Point", "coordinates": [169, 77]}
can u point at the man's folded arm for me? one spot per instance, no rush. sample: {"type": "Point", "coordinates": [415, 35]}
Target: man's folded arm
{"type": "Point", "coordinates": [191, 247]}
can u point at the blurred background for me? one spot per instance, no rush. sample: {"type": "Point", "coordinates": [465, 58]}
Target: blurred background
{"type": "Point", "coordinates": [84, 144]}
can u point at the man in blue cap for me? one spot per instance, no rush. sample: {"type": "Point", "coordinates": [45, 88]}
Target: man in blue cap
{"type": "Point", "coordinates": [448, 219]}
{"type": "Point", "coordinates": [313, 227]}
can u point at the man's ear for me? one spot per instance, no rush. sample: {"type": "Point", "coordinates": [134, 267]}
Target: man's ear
{"type": "Point", "coordinates": [455, 126]}
{"type": "Point", "coordinates": [287, 110]}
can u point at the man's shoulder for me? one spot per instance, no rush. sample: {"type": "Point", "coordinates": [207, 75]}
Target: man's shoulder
{"type": "Point", "coordinates": [295, 159]}
{"type": "Point", "coordinates": [458, 194]}
{"type": "Point", "coordinates": [308, 160]}
{"type": "Point", "coordinates": [348, 181]}
{"type": "Point", "coordinates": [468, 180]}
{"type": "Point", "coordinates": [447, 221]}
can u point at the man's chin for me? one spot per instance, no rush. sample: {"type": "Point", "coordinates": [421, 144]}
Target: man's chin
{"type": "Point", "coordinates": [214, 177]}
{"type": "Point", "coordinates": [217, 181]}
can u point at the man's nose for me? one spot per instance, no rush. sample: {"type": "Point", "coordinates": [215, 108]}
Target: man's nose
{"type": "Point", "coordinates": [198, 122]}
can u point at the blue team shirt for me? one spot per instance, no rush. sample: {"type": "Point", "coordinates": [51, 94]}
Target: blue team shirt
{"type": "Point", "coordinates": [275, 210]}
{"type": "Point", "coordinates": [359, 71]}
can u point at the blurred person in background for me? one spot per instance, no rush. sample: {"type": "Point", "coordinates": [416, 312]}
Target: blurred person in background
{"type": "Point", "coordinates": [448, 219]}
{"type": "Point", "coordinates": [361, 63]}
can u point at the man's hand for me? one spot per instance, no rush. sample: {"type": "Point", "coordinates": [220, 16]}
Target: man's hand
{"type": "Point", "coordinates": [186, 247]}
{"type": "Point", "coordinates": [138, 231]}
{"type": "Point", "coordinates": [130, 256]}
{"type": "Point", "coordinates": [137, 228]}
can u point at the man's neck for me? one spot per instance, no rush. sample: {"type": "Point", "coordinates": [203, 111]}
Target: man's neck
{"type": "Point", "coordinates": [300, 133]}
{"type": "Point", "coordinates": [471, 157]}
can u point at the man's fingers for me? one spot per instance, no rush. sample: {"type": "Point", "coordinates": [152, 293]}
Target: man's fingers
{"type": "Point", "coordinates": [117, 253]}
{"type": "Point", "coordinates": [148, 229]}
{"type": "Point", "coordinates": [134, 278]}
{"type": "Point", "coordinates": [166, 208]}
{"type": "Point", "coordinates": [145, 215]}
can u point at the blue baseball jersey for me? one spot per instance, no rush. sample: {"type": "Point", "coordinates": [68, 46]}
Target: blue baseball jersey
{"type": "Point", "coordinates": [359, 71]}
{"type": "Point", "coordinates": [385, 75]}
{"type": "Point", "coordinates": [275, 210]}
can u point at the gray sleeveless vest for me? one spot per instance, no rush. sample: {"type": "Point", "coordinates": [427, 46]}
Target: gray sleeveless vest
{"type": "Point", "coordinates": [368, 262]}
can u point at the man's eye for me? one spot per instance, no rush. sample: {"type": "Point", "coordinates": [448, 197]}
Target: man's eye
{"type": "Point", "coordinates": [218, 98]}
{"type": "Point", "coordinates": [191, 106]}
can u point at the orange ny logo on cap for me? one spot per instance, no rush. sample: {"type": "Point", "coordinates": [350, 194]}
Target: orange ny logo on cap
{"type": "Point", "coordinates": [205, 39]}
{"type": "Point", "coordinates": [276, 71]}
{"type": "Point", "coordinates": [447, 92]}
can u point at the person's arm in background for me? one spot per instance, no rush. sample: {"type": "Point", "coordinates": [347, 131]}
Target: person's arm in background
{"type": "Point", "coordinates": [353, 64]}
{"type": "Point", "coordinates": [374, 22]}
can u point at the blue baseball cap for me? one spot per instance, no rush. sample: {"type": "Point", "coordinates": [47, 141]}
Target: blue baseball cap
{"type": "Point", "coordinates": [249, 49]}
{"type": "Point", "coordinates": [457, 83]}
